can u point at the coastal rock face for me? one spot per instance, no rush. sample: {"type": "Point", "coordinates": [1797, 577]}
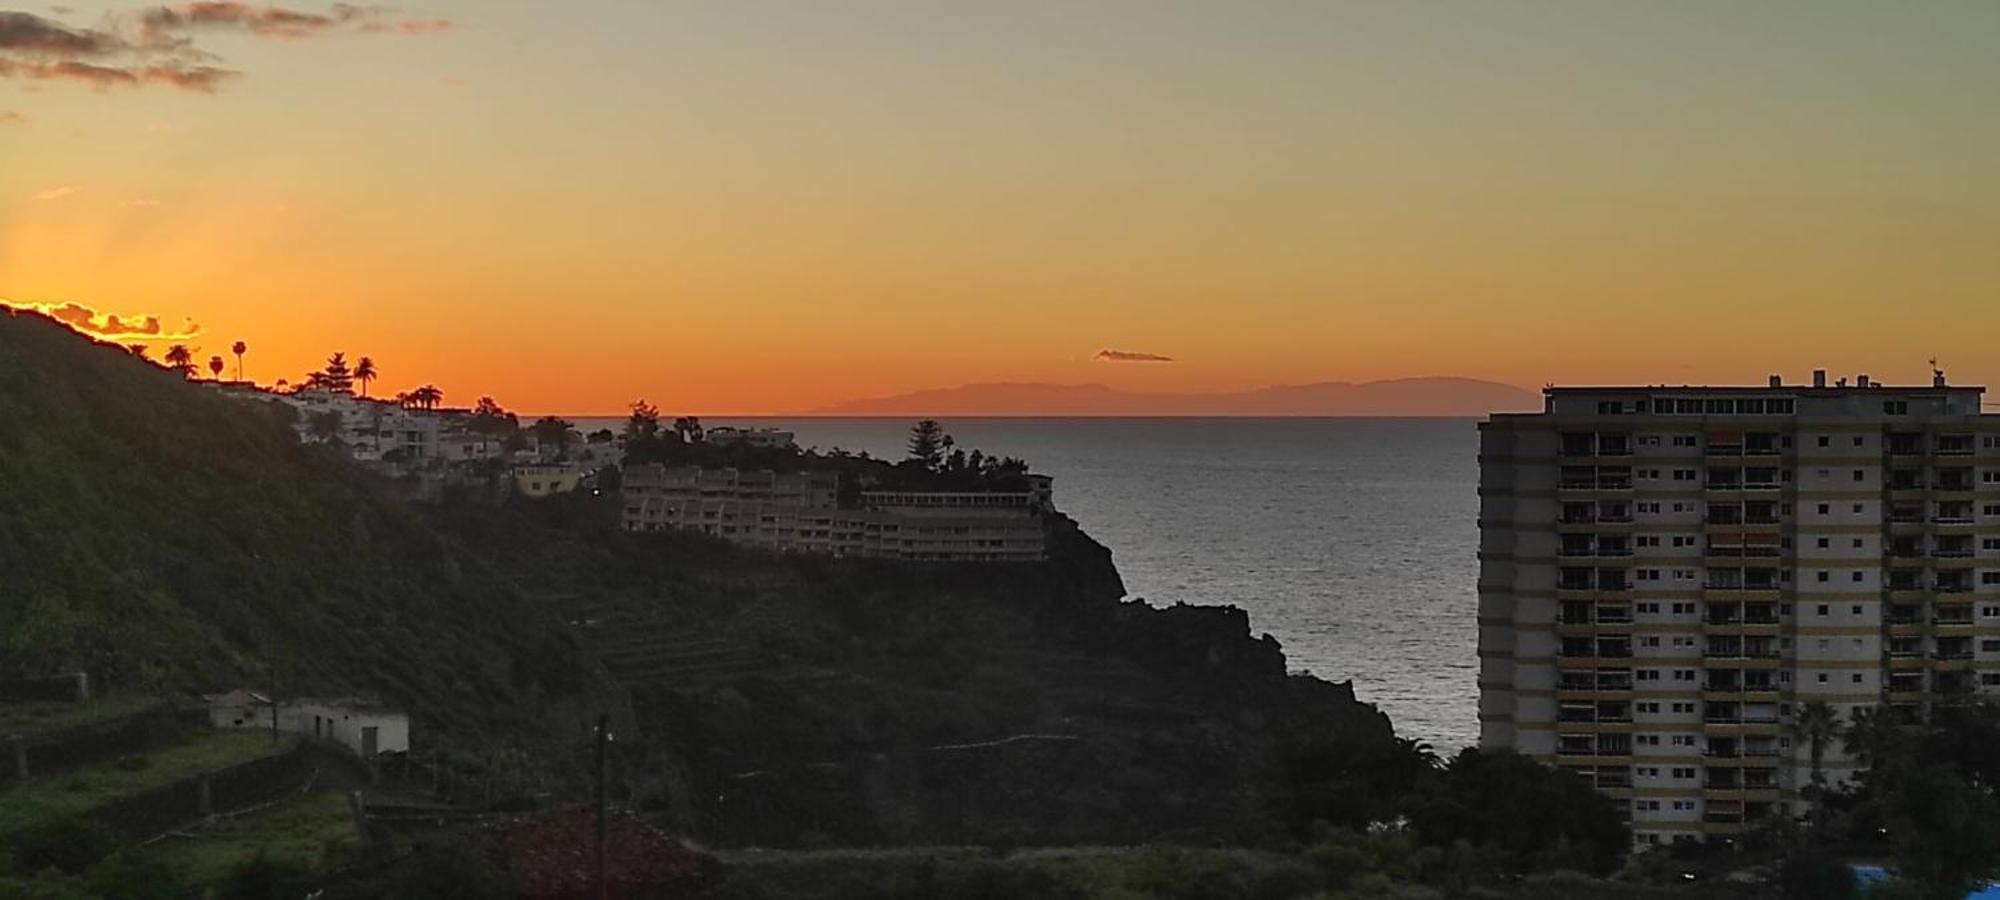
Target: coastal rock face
{"type": "Point", "coordinates": [794, 701]}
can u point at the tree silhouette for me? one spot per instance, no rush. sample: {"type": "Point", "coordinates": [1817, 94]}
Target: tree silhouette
{"type": "Point", "coordinates": [326, 426]}
{"type": "Point", "coordinates": [552, 431]}
{"type": "Point", "coordinates": [1817, 723]}
{"type": "Point", "coordinates": [689, 428]}
{"type": "Point", "coordinates": [927, 444]}
{"type": "Point", "coordinates": [338, 377]}
{"type": "Point", "coordinates": [364, 372]}
{"type": "Point", "coordinates": [644, 423]}
{"type": "Point", "coordinates": [138, 350]}
{"type": "Point", "coordinates": [180, 359]}
{"type": "Point", "coordinates": [427, 397]}
{"type": "Point", "coordinates": [239, 348]}
{"type": "Point", "coordinates": [215, 367]}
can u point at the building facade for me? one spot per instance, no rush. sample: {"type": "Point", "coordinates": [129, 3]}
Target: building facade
{"type": "Point", "coordinates": [801, 512]}
{"type": "Point", "coordinates": [1668, 574]}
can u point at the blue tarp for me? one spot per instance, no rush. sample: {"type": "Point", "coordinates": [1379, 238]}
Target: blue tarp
{"type": "Point", "coordinates": [1868, 875]}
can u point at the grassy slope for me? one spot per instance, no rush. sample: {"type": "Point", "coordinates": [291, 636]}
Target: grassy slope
{"type": "Point", "coordinates": [166, 538]}
{"type": "Point", "coordinates": [55, 796]}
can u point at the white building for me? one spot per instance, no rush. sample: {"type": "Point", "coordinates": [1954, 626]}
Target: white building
{"type": "Point", "coordinates": [1667, 574]}
{"type": "Point", "coordinates": [727, 435]}
{"type": "Point", "coordinates": [370, 429]}
{"type": "Point", "coordinates": [545, 479]}
{"type": "Point", "coordinates": [801, 512]}
{"type": "Point", "coordinates": [364, 727]}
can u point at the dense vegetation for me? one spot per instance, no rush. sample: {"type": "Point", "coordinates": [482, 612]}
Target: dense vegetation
{"type": "Point", "coordinates": [167, 539]}
{"type": "Point", "coordinates": [934, 460]}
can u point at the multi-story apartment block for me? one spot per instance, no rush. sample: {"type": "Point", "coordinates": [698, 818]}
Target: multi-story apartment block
{"type": "Point", "coordinates": [1668, 574]}
{"type": "Point", "coordinates": [801, 512]}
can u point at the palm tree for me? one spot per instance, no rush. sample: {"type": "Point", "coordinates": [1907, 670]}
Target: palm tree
{"type": "Point", "coordinates": [239, 348]}
{"type": "Point", "coordinates": [427, 397]}
{"type": "Point", "coordinates": [215, 367]}
{"type": "Point", "coordinates": [180, 359]}
{"type": "Point", "coordinates": [1817, 723]}
{"type": "Point", "coordinates": [364, 372]}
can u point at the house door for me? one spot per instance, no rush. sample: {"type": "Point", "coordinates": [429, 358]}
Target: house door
{"type": "Point", "coordinates": [368, 740]}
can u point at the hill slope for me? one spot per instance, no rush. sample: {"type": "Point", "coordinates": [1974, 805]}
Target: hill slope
{"type": "Point", "coordinates": [1435, 396]}
{"type": "Point", "coordinates": [168, 539]}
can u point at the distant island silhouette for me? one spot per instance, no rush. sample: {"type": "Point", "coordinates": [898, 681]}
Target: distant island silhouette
{"type": "Point", "coordinates": [1425, 396]}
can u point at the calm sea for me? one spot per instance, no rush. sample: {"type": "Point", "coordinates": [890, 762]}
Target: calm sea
{"type": "Point", "coordinates": [1352, 541]}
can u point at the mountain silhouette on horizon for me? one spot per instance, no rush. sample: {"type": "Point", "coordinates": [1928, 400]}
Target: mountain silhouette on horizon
{"type": "Point", "coordinates": [1422, 396]}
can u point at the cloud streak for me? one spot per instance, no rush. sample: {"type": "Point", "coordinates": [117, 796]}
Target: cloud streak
{"type": "Point", "coordinates": [108, 326]}
{"type": "Point", "coordinates": [10, 117]}
{"type": "Point", "coordinates": [279, 23]}
{"type": "Point", "coordinates": [1130, 356]}
{"type": "Point", "coordinates": [155, 46]}
{"type": "Point", "coordinates": [55, 193]}
{"type": "Point", "coordinates": [201, 79]}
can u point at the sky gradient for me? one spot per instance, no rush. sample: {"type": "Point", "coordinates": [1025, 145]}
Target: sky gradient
{"type": "Point", "coordinates": [757, 207]}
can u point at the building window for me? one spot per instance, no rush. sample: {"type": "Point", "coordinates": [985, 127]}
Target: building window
{"type": "Point", "coordinates": [1824, 440]}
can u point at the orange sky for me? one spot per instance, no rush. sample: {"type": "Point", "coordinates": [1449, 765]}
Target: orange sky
{"type": "Point", "coordinates": [761, 207]}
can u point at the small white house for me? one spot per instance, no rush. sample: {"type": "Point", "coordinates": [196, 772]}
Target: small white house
{"type": "Point", "coordinates": [240, 708]}
{"type": "Point", "coordinates": [363, 727]}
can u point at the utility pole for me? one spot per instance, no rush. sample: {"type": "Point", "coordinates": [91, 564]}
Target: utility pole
{"type": "Point", "coordinates": [603, 738]}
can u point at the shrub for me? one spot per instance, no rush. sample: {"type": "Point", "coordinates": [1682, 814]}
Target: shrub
{"type": "Point", "coordinates": [69, 845]}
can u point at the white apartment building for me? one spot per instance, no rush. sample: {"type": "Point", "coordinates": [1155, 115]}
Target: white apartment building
{"type": "Point", "coordinates": [801, 512]}
{"type": "Point", "coordinates": [1668, 573]}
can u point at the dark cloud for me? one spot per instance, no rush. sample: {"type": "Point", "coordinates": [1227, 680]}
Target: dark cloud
{"type": "Point", "coordinates": [278, 22]}
{"type": "Point", "coordinates": [1131, 356]}
{"type": "Point", "coordinates": [27, 34]}
{"type": "Point", "coordinates": [154, 46]}
{"type": "Point", "coordinates": [108, 325]}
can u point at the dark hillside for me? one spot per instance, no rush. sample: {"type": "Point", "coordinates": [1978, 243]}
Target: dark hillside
{"type": "Point", "coordinates": [165, 538]}
{"type": "Point", "coordinates": [796, 701]}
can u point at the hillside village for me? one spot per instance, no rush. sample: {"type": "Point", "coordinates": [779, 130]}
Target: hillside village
{"type": "Point", "coordinates": [752, 486]}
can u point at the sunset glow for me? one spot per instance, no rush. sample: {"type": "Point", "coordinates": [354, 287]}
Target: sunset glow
{"type": "Point", "coordinates": [765, 207]}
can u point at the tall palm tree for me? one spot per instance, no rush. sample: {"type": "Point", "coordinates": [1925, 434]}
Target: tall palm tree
{"type": "Point", "coordinates": [427, 397]}
{"type": "Point", "coordinates": [215, 367]}
{"type": "Point", "coordinates": [1817, 723]}
{"type": "Point", "coordinates": [239, 348]}
{"type": "Point", "coordinates": [364, 372]}
{"type": "Point", "coordinates": [180, 359]}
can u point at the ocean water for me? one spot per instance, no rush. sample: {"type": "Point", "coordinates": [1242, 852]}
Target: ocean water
{"type": "Point", "coordinates": [1352, 541]}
